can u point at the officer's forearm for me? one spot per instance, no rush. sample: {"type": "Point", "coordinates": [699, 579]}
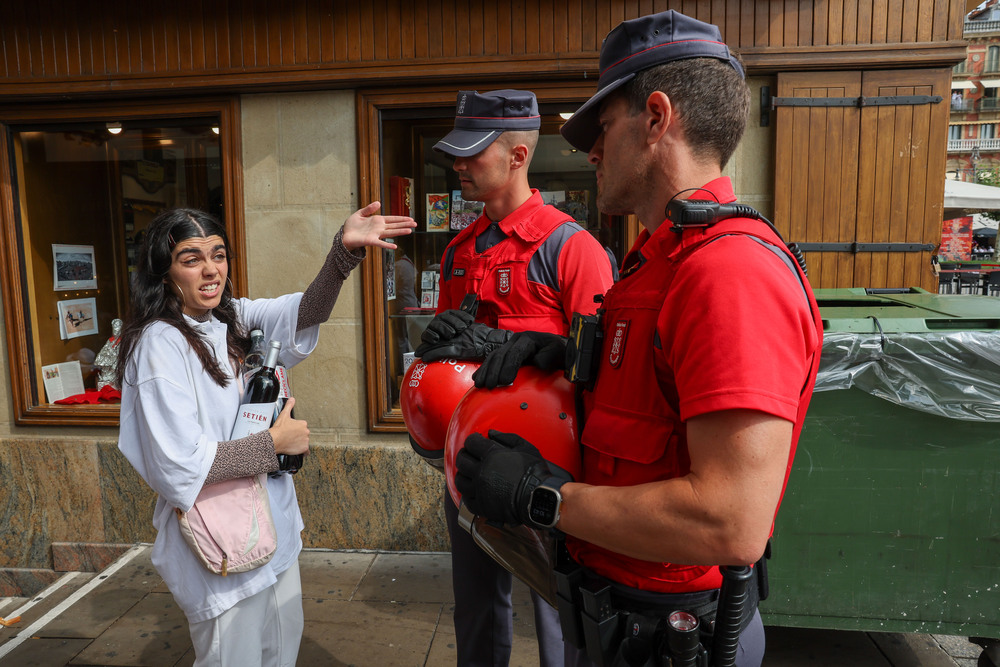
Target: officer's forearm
{"type": "Point", "coordinates": [720, 513]}
{"type": "Point", "coordinates": [659, 522]}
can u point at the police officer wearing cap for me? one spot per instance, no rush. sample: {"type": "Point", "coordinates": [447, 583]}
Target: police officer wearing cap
{"type": "Point", "coordinates": [522, 265]}
{"type": "Point", "coordinates": [711, 341]}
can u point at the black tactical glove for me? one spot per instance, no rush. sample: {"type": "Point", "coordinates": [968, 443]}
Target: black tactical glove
{"type": "Point", "coordinates": [496, 476]}
{"type": "Point", "coordinates": [446, 326]}
{"type": "Point", "coordinates": [454, 335]}
{"type": "Point", "coordinates": [546, 351]}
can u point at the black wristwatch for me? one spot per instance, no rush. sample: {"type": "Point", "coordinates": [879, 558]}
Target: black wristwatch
{"type": "Point", "coordinates": [545, 503]}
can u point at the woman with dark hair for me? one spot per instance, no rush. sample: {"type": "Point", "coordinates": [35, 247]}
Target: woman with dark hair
{"type": "Point", "coordinates": [178, 366]}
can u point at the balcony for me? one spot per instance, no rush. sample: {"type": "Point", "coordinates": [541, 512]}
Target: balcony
{"type": "Point", "coordinates": [989, 104]}
{"type": "Point", "coordinates": [981, 26]}
{"type": "Point", "coordinates": [967, 145]}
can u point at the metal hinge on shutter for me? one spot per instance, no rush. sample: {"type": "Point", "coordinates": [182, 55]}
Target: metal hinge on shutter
{"type": "Point", "coordinates": [769, 104]}
{"type": "Point", "coordinates": [881, 101]}
{"type": "Point", "coordinates": [865, 247]}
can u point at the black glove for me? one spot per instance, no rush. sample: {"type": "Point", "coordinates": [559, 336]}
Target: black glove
{"type": "Point", "coordinates": [546, 351]}
{"type": "Point", "coordinates": [471, 341]}
{"type": "Point", "coordinates": [446, 326]}
{"type": "Point", "coordinates": [496, 476]}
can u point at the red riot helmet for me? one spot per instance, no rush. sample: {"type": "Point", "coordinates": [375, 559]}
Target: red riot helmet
{"type": "Point", "coordinates": [538, 406]}
{"type": "Point", "coordinates": [428, 397]}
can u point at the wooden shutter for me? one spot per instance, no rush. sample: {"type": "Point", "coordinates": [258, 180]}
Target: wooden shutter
{"type": "Point", "coordinates": [859, 173]}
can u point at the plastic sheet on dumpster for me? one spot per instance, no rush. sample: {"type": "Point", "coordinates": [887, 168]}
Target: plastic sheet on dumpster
{"type": "Point", "coordinates": [954, 374]}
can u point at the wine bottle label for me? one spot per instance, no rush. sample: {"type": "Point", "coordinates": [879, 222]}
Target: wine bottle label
{"type": "Point", "coordinates": [282, 375]}
{"type": "Point", "coordinates": [251, 418]}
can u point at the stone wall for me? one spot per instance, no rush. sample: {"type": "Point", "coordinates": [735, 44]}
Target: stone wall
{"type": "Point", "coordinates": [84, 491]}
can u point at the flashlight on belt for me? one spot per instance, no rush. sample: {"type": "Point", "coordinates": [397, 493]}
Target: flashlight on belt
{"type": "Point", "coordinates": [684, 640]}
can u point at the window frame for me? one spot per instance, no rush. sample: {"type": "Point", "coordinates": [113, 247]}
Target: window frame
{"type": "Point", "coordinates": [382, 417]}
{"type": "Point", "coordinates": [25, 411]}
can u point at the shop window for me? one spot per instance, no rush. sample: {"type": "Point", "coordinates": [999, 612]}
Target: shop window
{"type": "Point", "coordinates": [409, 177]}
{"type": "Point", "coordinates": [85, 185]}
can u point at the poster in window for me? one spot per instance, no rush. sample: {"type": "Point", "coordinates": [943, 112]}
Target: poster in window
{"type": "Point", "coordinates": [438, 211]}
{"type": "Point", "coordinates": [77, 317]}
{"type": "Point", "coordinates": [73, 267]}
{"type": "Point", "coordinates": [464, 212]}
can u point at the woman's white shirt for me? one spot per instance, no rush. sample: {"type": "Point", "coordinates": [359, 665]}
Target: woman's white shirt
{"type": "Point", "coordinates": [173, 415]}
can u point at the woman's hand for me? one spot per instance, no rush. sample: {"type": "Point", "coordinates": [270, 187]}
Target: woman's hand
{"type": "Point", "coordinates": [364, 228]}
{"type": "Point", "coordinates": [291, 436]}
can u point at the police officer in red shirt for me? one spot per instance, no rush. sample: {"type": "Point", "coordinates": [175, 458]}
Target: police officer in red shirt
{"type": "Point", "coordinates": [522, 265]}
{"type": "Point", "coordinates": [711, 340]}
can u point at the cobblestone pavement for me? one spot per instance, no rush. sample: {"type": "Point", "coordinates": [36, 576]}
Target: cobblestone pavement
{"type": "Point", "coordinates": [361, 608]}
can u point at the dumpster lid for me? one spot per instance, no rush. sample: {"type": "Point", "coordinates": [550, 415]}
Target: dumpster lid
{"type": "Point", "coordinates": [908, 309]}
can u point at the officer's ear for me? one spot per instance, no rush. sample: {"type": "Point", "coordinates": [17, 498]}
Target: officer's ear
{"type": "Point", "coordinates": [660, 116]}
{"type": "Point", "coordinates": [518, 156]}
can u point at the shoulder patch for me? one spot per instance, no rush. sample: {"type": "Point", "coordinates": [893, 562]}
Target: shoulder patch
{"type": "Point", "coordinates": [503, 281]}
{"type": "Point", "coordinates": [617, 351]}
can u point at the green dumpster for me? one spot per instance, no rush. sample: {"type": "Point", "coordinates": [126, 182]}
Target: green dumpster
{"type": "Point", "coordinates": [891, 518]}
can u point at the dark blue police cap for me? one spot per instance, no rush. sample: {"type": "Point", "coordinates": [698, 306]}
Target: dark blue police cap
{"type": "Point", "coordinates": [482, 117]}
{"type": "Point", "coordinates": [639, 44]}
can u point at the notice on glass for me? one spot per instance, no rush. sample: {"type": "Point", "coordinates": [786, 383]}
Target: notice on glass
{"type": "Point", "coordinates": [62, 380]}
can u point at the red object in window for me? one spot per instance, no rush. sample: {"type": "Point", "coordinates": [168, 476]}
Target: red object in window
{"type": "Point", "coordinates": [106, 394]}
{"type": "Point", "coordinates": [400, 196]}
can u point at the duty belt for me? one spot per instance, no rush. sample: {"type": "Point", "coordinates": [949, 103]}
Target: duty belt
{"type": "Point", "coordinates": [618, 625]}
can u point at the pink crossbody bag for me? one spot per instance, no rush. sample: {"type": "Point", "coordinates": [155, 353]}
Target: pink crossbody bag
{"type": "Point", "coordinates": [230, 528]}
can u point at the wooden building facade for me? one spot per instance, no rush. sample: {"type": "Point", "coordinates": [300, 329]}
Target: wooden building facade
{"type": "Point", "coordinates": [291, 114]}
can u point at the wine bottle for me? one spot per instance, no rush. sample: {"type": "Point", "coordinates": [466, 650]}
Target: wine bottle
{"type": "Point", "coordinates": [289, 463]}
{"type": "Point", "coordinates": [257, 411]}
{"type": "Point", "coordinates": [255, 357]}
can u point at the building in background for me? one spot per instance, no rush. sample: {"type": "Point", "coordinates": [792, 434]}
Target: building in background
{"type": "Point", "coordinates": [973, 136]}
{"type": "Point", "coordinates": [973, 139]}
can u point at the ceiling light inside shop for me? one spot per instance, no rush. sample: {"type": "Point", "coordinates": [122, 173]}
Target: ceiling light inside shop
{"type": "Point", "coordinates": [566, 115]}
{"type": "Point", "coordinates": [114, 127]}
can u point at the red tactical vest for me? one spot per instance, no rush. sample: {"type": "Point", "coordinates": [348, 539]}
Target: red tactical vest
{"type": "Point", "coordinates": [499, 276]}
{"type": "Point", "coordinates": [633, 433]}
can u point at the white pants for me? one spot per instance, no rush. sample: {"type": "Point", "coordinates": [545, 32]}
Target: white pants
{"type": "Point", "coordinates": [260, 631]}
